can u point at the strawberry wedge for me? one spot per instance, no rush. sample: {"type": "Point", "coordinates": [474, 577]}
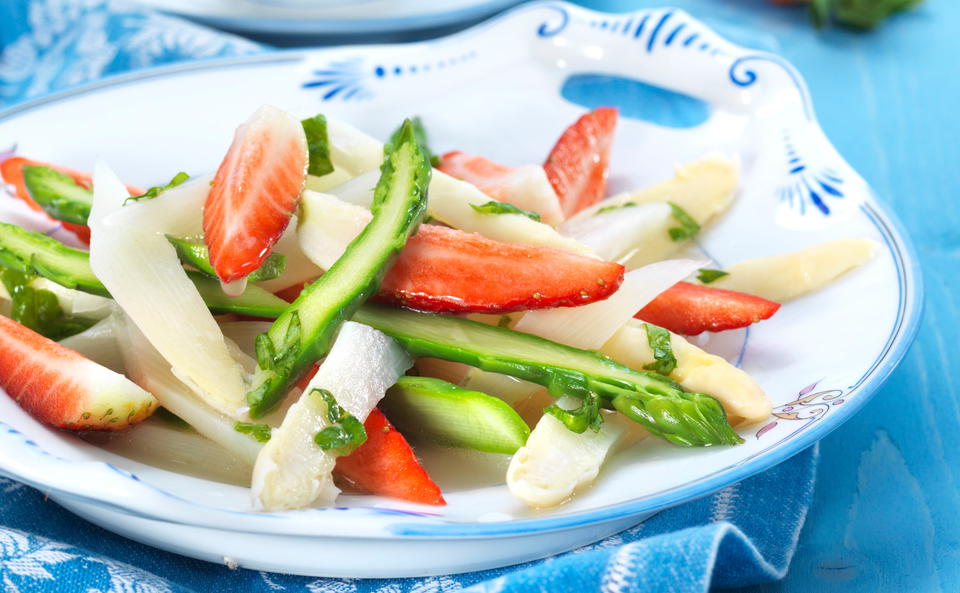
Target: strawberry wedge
{"type": "Point", "coordinates": [385, 465]}
{"type": "Point", "coordinates": [61, 387]}
{"type": "Point", "coordinates": [526, 187]}
{"type": "Point", "coordinates": [577, 165]}
{"type": "Point", "coordinates": [447, 270]}
{"type": "Point", "coordinates": [12, 172]}
{"type": "Point", "coordinates": [690, 309]}
{"type": "Point", "coordinates": [254, 193]}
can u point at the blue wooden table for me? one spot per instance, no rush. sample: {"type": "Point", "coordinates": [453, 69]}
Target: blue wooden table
{"type": "Point", "coordinates": [886, 514]}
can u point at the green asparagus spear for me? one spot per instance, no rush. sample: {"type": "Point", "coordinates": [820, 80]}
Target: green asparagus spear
{"type": "Point", "coordinates": [197, 255]}
{"type": "Point", "coordinates": [35, 253]}
{"type": "Point", "coordinates": [305, 331]}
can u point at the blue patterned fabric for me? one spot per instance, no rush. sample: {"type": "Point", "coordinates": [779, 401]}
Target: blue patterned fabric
{"type": "Point", "coordinates": [744, 534]}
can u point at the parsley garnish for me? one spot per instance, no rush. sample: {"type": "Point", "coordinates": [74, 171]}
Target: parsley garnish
{"type": "Point", "coordinates": [706, 275]}
{"type": "Point", "coordinates": [582, 418]}
{"type": "Point", "coordinates": [615, 207]}
{"type": "Point", "coordinates": [495, 207]}
{"type": "Point", "coordinates": [659, 341]}
{"type": "Point", "coordinates": [345, 432]}
{"type": "Point", "coordinates": [318, 144]}
{"type": "Point", "coordinates": [260, 432]}
{"type": "Point", "coordinates": [688, 228]}
{"type": "Point", "coordinates": [159, 189]}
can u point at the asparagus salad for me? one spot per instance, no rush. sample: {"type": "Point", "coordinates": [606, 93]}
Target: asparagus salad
{"type": "Point", "coordinates": [323, 300]}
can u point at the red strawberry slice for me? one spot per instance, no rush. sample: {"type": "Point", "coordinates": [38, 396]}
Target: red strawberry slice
{"type": "Point", "coordinates": [577, 165]}
{"type": "Point", "coordinates": [487, 175]}
{"type": "Point", "coordinates": [255, 191]}
{"type": "Point", "coordinates": [60, 387]}
{"type": "Point", "coordinates": [690, 309]}
{"type": "Point", "coordinates": [448, 270]}
{"type": "Point", "coordinates": [386, 465]}
{"type": "Point", "coordinates": [452, 271]}
{"type": "Point", "coordinates": [525, 187]}
{"type": "Point", "coordinates": [12, 172]}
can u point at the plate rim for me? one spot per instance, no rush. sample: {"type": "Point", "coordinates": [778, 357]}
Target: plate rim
{"type": "Point", "coordinates": [897, 241]}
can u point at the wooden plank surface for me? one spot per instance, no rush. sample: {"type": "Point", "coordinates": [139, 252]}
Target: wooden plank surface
{"type": "Point", "coordinates": [886, 514]}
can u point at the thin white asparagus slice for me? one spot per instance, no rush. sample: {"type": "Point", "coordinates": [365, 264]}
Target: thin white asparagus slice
{"type": "Point", "coordinates": [704, 189]}
{"type": "Point", "coordinates": [784, 277]}
{"type": "Point", "coordinates": [130, 254]}
{"type": "Point", "coordinates": [332, 179]}
{"type": "Point", "coordinates": [160, 444]}
{"type": "Point", "coordinates": [450, 199]}
{"type": "Point", "coordinates": [148, 369]}
{"type": "Point", "coordinates": [292, 471]}
{"type": "Point", "coordinates": [327, 225]}
{"type": "Point", "coordinates": [742, 399]}
{"type": "Point", "coordinates": [556, 462]}
{"type": "Point", "coordinates": [76, 303]}
{"type": "Point", "coordinates": [99, 344]}
{"type": "Point", "coordinates": [298, 268]}
{"type": "Point", "coordinates": [624, 234]}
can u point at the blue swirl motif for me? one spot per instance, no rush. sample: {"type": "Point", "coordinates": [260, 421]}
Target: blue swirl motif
{"type": "Point", "coordinates": [344, 79]}
{"type": "Point", "coordinates": [548, 29]}
{"type": "Point", "coordinates": [350, 79]}
{"type": "Point", "coordinates": [741, 76]}
{"type": "Point", "coordinates": [808, 188]}
{"type": "Point", "coordinates": [667, 29]}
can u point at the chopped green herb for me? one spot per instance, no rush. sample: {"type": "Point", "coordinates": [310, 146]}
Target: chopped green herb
{"type": "Point", "coordinates": [504, 321]}
{"type": "Point", "coordinates": [615, 207]}
{"type": "Point", "coordinates": [345, 434]}
{"type": "Point", "coordinates": [260, 432]}
{"type": "Point", "coordinates": [659, 341]}
{"type": "Point", "coordinates": [582, 418]}
{"type": "Point", "coordinates": [58, 194]}
{"type": "Point", "coordinates": [706, 275]}
{"type": "Point", "coordinates": [495, 207]}
{"type": "Point", "coordinates": [159, 189]}
{"type": "Point", "coordinates": [859, 14]}
{"type": "Point", "coordinates": [39, 309]}
{"type": "Point", "coordinates": [318, 144]}
{"type": "Point", "coordinates": [688, 228]}
{"type": "Point", "coordinates": [420, 135]}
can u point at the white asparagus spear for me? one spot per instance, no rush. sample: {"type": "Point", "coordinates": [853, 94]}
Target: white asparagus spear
{"type": "Point", "coordinates": [292, 471]}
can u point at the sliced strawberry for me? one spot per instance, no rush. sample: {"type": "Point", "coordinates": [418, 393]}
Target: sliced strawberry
{"type": "Point", "coordinates": [60, 387]}
{"type": "Point", "coordinates": [386, 465]}
{"type": "Point", "coordinates": [690, 309]}
{"type": "Point", "coordinates": [12, 172]}
{"type": "Point", "coordinates": [577, 165]}
{"type": "Point", "coordinates": [443, 269]}
{"type": "Point", "coordinates": [255, 191]}
{"type": "Point", "coordinates": [525, 187]}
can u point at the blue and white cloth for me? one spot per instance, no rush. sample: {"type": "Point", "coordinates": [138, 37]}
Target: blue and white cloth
{"type": "Point", "coordinates": [744, 534]}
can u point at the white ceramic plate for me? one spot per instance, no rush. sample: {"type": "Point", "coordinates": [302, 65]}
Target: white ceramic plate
{"type": "Point", "coordinates": [503, 89]}
{"type": "Point", "coordinates": [330, 17]}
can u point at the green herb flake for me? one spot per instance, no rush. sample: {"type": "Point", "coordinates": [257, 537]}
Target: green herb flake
{"type": "Point", "coordinates": [494, 207]}
{"type": "Point", "coordinates": [504, 321]}
{"type": "Point", "coordinates": [582, 418]}
{"type": "Point", "coordinates": [172, 419]}
{"type": "Point", "coordinates": [706, 275]}
{"type": "Point", "coordinates": [260, 432]}
{"type": "Point", "coordinates": [345, 433]}
{"type": "Point", "coordinates": [614, 207]}
{"type": "Point", "coordinates": [155, 191]}
{"type": "Point", "coordinates": [688, 228]}
{"type": "Point", "coordinates": [318, 144]}
{"type": "Point", "coordinates": [659, 341]}
{"type": "Point", "coordinates": [420, 135]}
